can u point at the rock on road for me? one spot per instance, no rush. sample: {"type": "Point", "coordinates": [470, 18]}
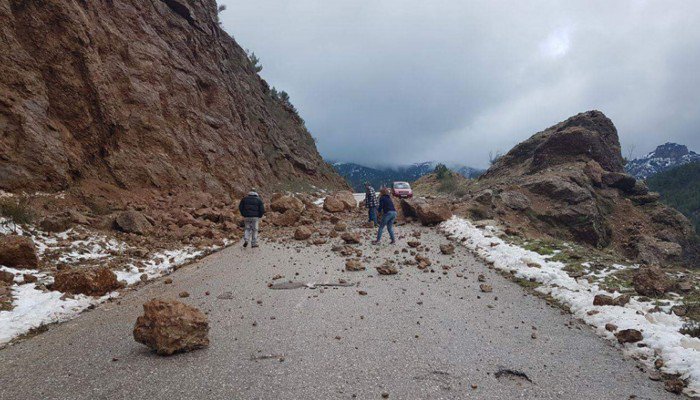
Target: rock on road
{"type": "Point", "coordinates": [414, 335]}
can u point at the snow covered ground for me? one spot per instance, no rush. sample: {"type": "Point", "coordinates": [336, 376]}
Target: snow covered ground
{"type": "Point", "coordinates": [34, 306]}
{"type": "Point", "coordinates": [661, 337]}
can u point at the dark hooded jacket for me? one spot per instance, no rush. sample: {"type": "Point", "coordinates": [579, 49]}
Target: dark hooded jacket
{"type": "Point", "coordinates": [251, 206]}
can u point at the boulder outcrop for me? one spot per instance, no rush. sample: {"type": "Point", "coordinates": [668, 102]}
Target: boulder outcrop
{"type": "Point", "coordinates": [568, 181]}
{"type": "Point", "coordinates": [18, 252]}
{"type": "Point", "coordinates": [90, 282]}
{"type": "Point", "coordinates": [132, 221]}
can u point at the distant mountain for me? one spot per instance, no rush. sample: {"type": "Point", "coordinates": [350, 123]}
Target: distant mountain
{"type": "Point", "coordinates": [469, 172]}
{"type": "Point", "coordinates": [680, 188]}
{"type": "Point", "coordinates": [665, 157]}
{"type": "Point", "coordinates": [357, 174]}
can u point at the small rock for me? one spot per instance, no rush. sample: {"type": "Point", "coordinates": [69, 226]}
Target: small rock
{"type": "Point", "coordinates": [629, 336]}
{"type": "Point", "coordinates": [610, 327]}
{"type": "Point", "coordinates": [387, 270]}
{"type": "Point", "coordinates": [184, 294]}
{"type": "Point", "coordinates": [674, 386]}
{"type": "Point", "coordinates": [350, 238]}
{"type": "Point", "coordinates": [447, 248]}
{"type": "Point", "coordinates": [602, 300]}
{"type": "Point", "coordinates": [7, 277]}
{"type": "Point", "coordinates": [354, 265]}
{"type": "Point", "coordinates": [486, 288]}
{"type": "Point", "coordinates": [302, 233]}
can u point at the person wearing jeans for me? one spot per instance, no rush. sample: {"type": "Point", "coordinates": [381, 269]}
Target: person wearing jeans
{"type": "Point", "coordinates": [386, 207]}
{"type": "Point", "coordinates": [371, 203]}
{"type": "Point", "coordinates": [252, 209]}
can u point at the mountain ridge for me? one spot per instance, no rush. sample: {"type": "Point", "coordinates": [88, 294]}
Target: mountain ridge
{"type": "Point", "coordinates": [357, 174]}
{"type": "Point", "coordinates": [664, 157]}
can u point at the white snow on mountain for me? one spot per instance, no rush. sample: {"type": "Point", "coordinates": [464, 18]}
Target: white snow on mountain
{"type": "Point", "coordinates": [665, 157]}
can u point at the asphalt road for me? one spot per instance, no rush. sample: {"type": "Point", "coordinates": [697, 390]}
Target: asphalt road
{"type": "Point", "coordinates": [414, 335]}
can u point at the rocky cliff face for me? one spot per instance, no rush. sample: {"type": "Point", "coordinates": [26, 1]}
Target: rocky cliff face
{"type": "Point", "coordinates": [140, 94]}
{"type": "Point", "coordinates": [568, 181]}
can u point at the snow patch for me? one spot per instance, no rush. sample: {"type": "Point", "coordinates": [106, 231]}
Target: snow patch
{"type": "Point", "coordinates": [680, 353]}
{"type": "Point", "coordinates": [34, 307]}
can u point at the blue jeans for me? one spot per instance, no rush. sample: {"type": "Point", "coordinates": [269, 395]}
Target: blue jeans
{"type": "Point", "coordinates": [388, 221]}
{"type": "Point", "coordinates": [373, 215]}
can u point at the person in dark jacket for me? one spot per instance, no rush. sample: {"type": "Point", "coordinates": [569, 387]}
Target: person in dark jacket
{"type": "Point", "coordinates": [371, 203]}
{"type": "Point", "coordinates": [252, 209]}
{"type": "Point", "coordinates": [386, 207]}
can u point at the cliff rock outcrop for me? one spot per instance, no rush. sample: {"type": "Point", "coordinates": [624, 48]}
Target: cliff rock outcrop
{"type": "Point", "coordinates": [140, 94]}
{"type": "Point", "coordinates": [568, 181]}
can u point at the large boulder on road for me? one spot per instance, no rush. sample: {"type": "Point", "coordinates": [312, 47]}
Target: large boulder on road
{"type": "Point", "coordinates": [428, 213]}
{"type": "Point", "coordinates": [333, 205]}
{"type": "Point", "coordinates": [90, 282]}
{"type": "Point", "coordinates": [286, 219]}
{"type": "Point", "coordinates": [170, 327]}
{"type": "Point", "coordinates": [18, 252]}
{"type": "Point", "coordinates": [432, 213]}
{"type": "Point", "coordinates": [285, 203]}
{"type": "Point", "coordinates": [340, 201]}
{"type": "Point", "coordinates": [347, 198]}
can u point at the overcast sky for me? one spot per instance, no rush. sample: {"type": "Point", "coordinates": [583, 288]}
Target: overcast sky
{"type": "Point", "coordinates": [403, 81]}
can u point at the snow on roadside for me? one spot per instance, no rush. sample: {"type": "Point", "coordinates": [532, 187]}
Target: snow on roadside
{"type": "Point", "coordinates": [680, 353]}
{"type": "Point", "coordinates": [159, 264]}
{"type": "Point", "coordinates": [34, 307]}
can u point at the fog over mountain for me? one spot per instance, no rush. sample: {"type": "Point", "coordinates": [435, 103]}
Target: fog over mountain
{"type": "Point", "coordinates": [395, 82]}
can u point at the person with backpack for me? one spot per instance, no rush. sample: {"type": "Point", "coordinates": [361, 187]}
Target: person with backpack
{"type": "Point", "coordinates": [371, 203]}
{"type": "Point", "coordinates": [252, 209]}
{"type": "Point", "coordinates": [386, 207]}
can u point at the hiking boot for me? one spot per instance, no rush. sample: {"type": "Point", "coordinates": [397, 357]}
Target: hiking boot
{"type": "Point", "coordinates": [245, 244]}
{"type": "Point", "coordinates": [375, 242]}
{"type": "Point", "coordinates": [254, 245]}
{"type": "Point", "coordinates": [392, 242]}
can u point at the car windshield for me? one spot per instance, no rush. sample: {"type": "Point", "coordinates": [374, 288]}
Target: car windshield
{"type": "Point", "coordinates": [401, 185]}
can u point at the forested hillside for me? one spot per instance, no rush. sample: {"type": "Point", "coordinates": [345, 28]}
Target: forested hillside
{"type": "Point", "coordinates": [680, 188]}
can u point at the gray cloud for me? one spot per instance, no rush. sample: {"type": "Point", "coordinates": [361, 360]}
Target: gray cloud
{"type": "Point", "coordinates": [396, 82]}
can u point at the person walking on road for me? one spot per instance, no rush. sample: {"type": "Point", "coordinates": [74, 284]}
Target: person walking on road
{"type": "Point", "coordinates": [386, 207]}
{"type": "Point", "coordinates": [371, 203]}
{"type": "Point", "coordinates": [252, 209]}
